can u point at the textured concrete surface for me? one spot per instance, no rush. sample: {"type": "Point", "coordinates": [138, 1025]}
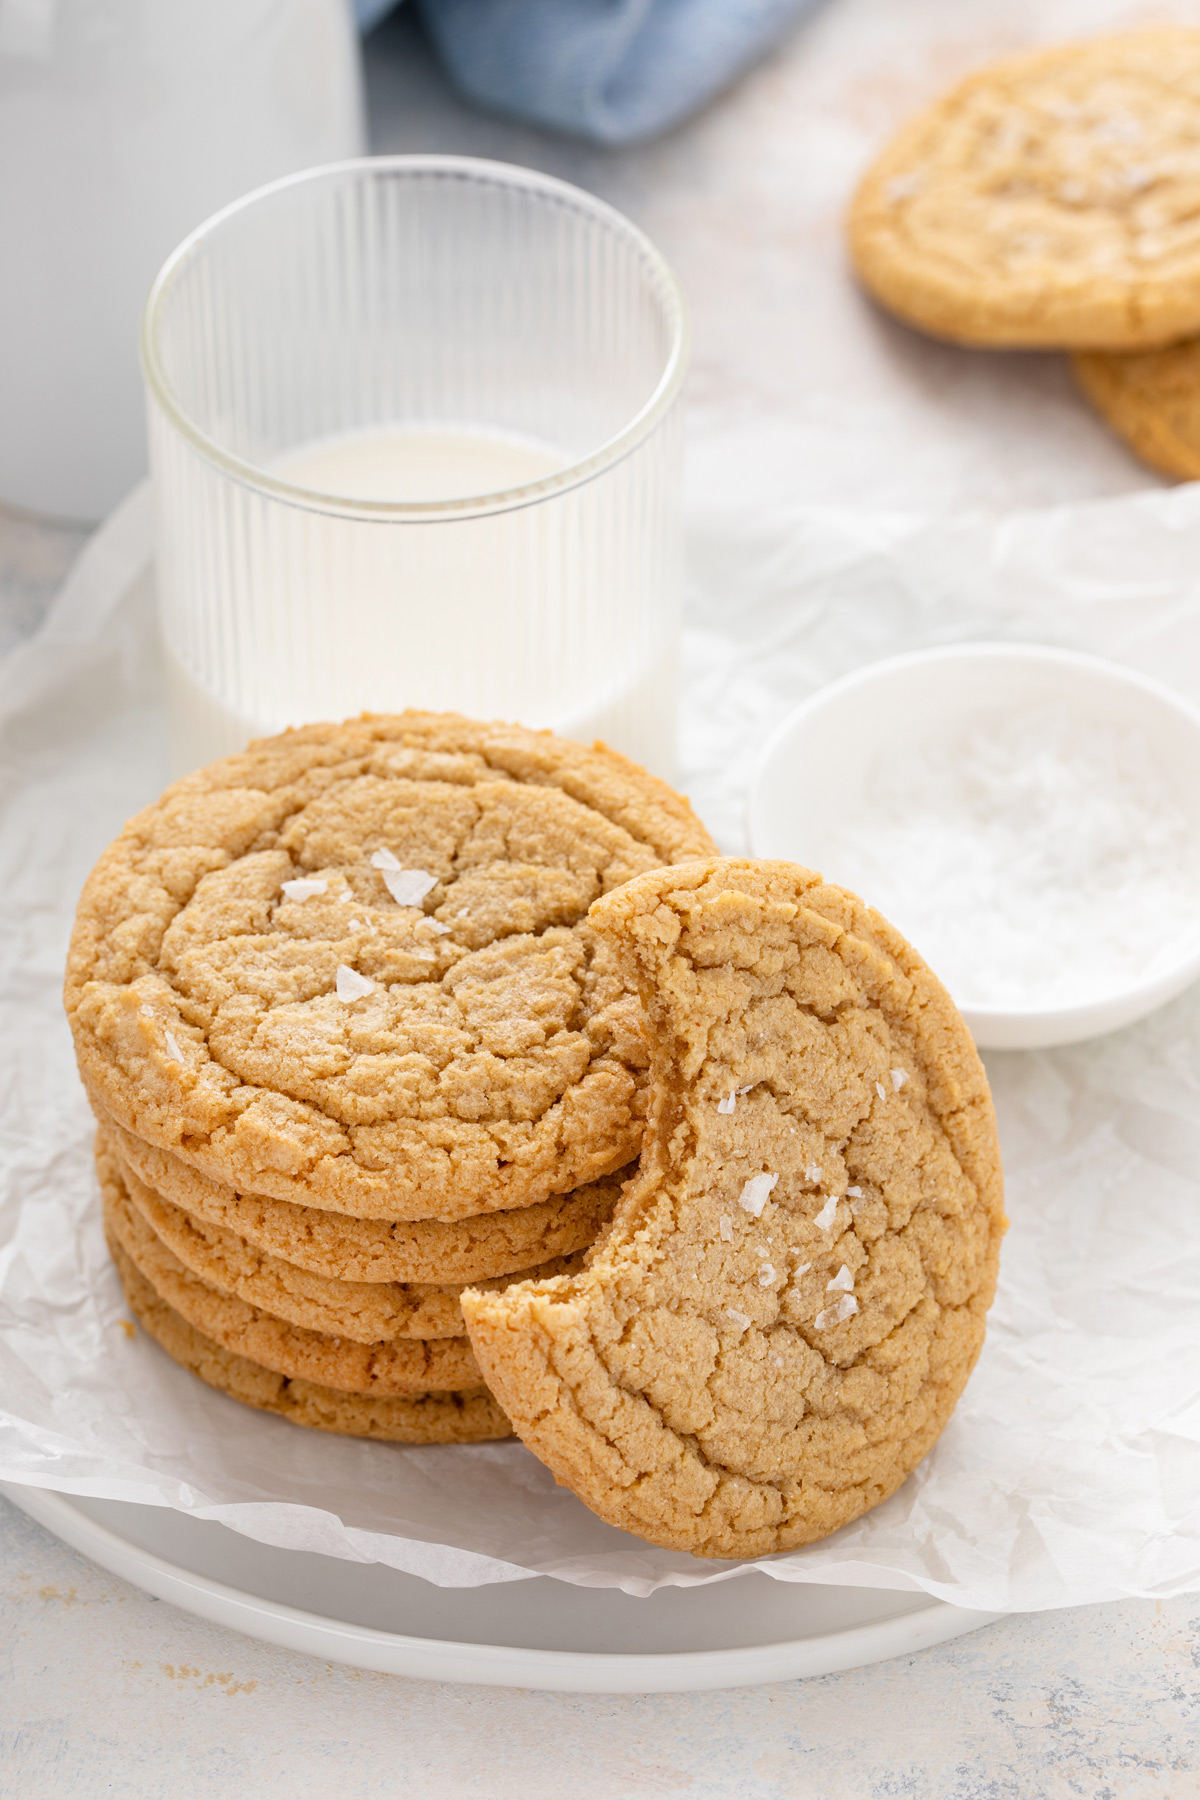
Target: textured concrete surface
{"type": "Point", "coordinates": [104, 1691]}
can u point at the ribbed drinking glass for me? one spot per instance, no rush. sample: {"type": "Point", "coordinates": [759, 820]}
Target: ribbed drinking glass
{"type": "Point", "coordinates": [415, 441]}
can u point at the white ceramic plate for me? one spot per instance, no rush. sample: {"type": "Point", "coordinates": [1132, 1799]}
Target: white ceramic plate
{"type": "Point", "coordinates": [536, 1634]}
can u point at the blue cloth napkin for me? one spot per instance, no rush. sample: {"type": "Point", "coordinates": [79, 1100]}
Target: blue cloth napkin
{"type": "Point", "coordinates": [611, 70]}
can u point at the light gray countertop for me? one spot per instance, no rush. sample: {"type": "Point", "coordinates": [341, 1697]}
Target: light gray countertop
{"type": "Point", "coordinates": [105, 1691]}
{"type": "Point", "coordinates": [800, 390]}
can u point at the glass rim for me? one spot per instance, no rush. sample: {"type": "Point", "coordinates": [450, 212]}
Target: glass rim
{"type": "Point", "coordinates": [513, 175]}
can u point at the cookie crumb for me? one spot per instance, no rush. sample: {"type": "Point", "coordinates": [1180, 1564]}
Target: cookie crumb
{"type": "Point", "coordinates": [828, 1213]}
{"type": "Point", "coordinates": [351, 985]}
{"type": "Point", "coordinates": [304, 887]}
{"type": "Point", "coordinates": [754, 1195]}
{"type": "Point", "coordinates": [129, 1328]}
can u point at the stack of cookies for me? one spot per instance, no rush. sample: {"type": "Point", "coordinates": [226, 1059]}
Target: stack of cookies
{"type": "Point", "coordinates": [353, 1045]}
{"type": "Point", "coordinates": [1053, 202]}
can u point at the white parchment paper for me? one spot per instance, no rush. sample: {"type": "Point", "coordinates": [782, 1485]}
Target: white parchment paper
{"type": "Point", "coordinates": [1071, 1469]}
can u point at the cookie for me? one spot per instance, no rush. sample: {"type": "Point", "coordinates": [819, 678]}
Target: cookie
{"type": "Point", "coordinates": [470, 1417]}
{"type": "Point", "coordinates": [420, 1250]}
{"type": "Point", "coordinates": [1052, 201]}
{"type": "Point", "coordinates": [351, 968]}
{"type": "Point", "coordinates": [793, 1290]}
{"type": "Point", "coordinates": [394, 1367]}
{"type": "Point", "coordinates": [365, 1312]}
{"type": "Point", "coordinates": [1151, 398]}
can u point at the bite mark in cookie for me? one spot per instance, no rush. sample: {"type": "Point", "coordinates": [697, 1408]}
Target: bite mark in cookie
{"type": "Point", "coordinates": [792, 1295]}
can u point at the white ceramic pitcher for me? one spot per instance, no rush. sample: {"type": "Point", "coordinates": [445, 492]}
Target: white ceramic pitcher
{"type": "Point", "coordinates": [124, 124]}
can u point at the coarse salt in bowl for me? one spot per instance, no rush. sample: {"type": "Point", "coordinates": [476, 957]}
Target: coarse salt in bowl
{"type": "Point", "coordinates": [1029, 818]}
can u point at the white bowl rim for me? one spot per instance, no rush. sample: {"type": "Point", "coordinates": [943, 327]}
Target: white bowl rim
{"type": "Point", "coordinates": [1084, 662]}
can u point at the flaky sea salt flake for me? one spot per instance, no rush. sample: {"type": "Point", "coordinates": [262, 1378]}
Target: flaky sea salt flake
{"type": "Point", "coordinates": [351, 985]}
{"type": "Point", "coordinates": [843, 1309]}
{"type": "Point", "coordinates": [879, 1090]}
{"type": "Point", "coordinates": [726, 1228]}
{"type": "Point", "coordinates": [854, 1193]}
{"type": "Point", "coordinates": [305, 887]}
{"type": "Point", "coordinates": [899, 1077]}
{"type": "Point", "coordinates": [174, 1053]}
{"type": "Point", "coordinates": [813, 1172]}
{"type": "Point", "coordinates": [828, 1213]}
{"type": "Point", "coordinates": [843, 1279]}
{"type": "Point", "coordinates": [766, 1274]}
{"type": "Point", "coordinates": [383, 859]}
{"type": "Point", "coordinates": [755, 1194]}
{"type": "Point", "coordinates": [727, 1104]}
{"type": "Point", "coordinates": [408, 887]}
{"type": "Point", "coordinates": [740, 1319]}
{"type": "Point", "coordinates": [436, 925]}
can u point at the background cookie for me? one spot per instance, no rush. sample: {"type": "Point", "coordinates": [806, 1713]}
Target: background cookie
{"type": "Point", "coordinates": [793, 1290]}
{"type": "Point", "coordinates": [365, 1312]}
{"type": "Point", "coordinates": [1052, 201]}
{"type": "Point", "coordinates": [351, 967]}
{"type": "Point", "coordinates": [471, 1417]}
{"type": "Point", "coordinates": [432, 1251]}
{"type": "Point", "coordinates": [400, 1366]}
{"type": "Point", "coordinates": [1151, 398]}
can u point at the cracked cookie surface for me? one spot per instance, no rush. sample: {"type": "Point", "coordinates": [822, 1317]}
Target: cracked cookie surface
{"type": "Point", "coordinates": [351, 968]}
{"type": "Point", "coordinates": [793, 1291]}
{"type": "Point", "coordinates": [1051, 201]}
{"type": "Point", "coordinates": [468, 1417]}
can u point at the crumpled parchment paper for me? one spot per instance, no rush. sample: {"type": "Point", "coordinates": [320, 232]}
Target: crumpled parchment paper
{"type": "Point", "coordinates": [1071, 1469]}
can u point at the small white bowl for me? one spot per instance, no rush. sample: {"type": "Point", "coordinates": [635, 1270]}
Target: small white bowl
{"type": "Point", "coordinates": [812, 774]}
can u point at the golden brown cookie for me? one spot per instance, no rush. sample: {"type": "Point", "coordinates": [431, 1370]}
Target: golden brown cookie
{"type": "Point", "coordinates": [793, 1290]}
{"type": "Point", "coordinates": [470, 1417]}
{"type": "Point", "coordinates": [1151, 398]}
{"type": "Point", "coordinates": [431, 1251]}
{"type": "Point", "coordinates": [365, 1312]}
{"type": "Point", "coordinates": [397, 1366]}
{"type": "Point", "coordinates": [351, 967]}
{"type": "Point", "coordinates": [1051, 201]}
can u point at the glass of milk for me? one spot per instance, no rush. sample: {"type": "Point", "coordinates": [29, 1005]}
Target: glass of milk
{"type": "Point", "coordinates": [415, 441]}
